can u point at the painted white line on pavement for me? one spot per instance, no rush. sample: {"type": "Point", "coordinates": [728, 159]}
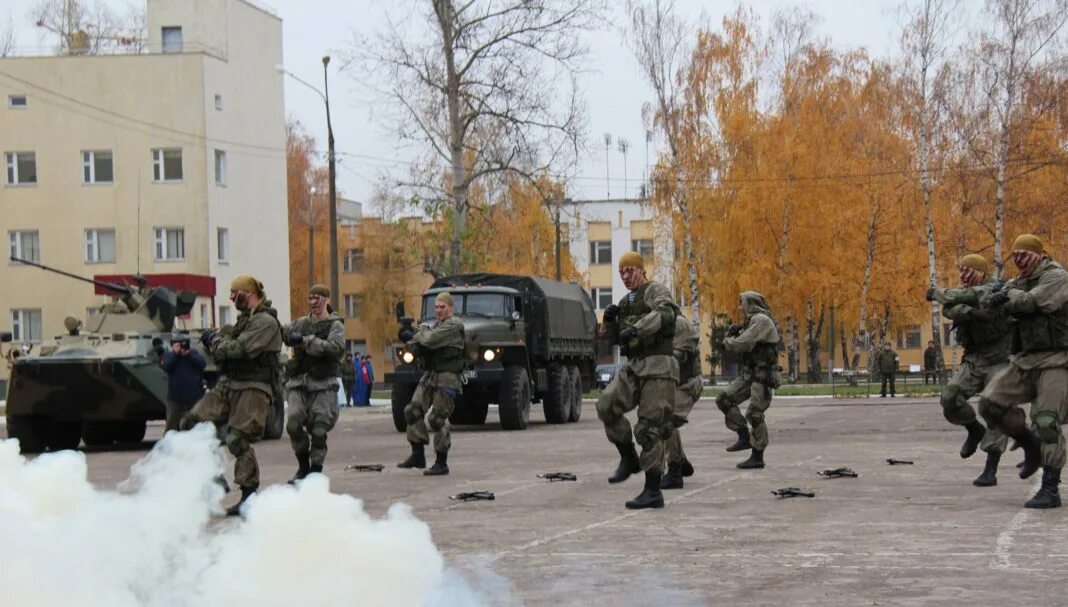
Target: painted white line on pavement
{"type": "Point", "coordinates": [1007, 538]}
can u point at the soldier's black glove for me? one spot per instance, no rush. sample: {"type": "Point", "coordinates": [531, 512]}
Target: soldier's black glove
{"type": "Point", "coordinates": [628, 334]}
{"type": "Point", "coordinates": [611, 313]}
{"type": "Point", "coordinates": [996, 299]}
{"type": "Point", "coordinates": [296, 338]}
{"type": "Point", "coordinates": [734, 330]}
{"type": "Point", "coordinates": [930, 295]}
{"type": "Point", "coordinates": [405, 334]}
{"type": "Point", "coordinates": [209, 337]}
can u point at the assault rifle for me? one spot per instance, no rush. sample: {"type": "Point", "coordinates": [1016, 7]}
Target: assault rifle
{"type": "Point", "coordinates": [898, 462]}
{"type": "Point", "coordinates": [838, 473]}
{"type": "Point", "coordinates": [558, 476]}
{"type": "Point", "coordinates": [792, 492]}
{"type": "Point", "coordinates": [365, 467]}
{"type": "Point", "coordinates": [473, 495]}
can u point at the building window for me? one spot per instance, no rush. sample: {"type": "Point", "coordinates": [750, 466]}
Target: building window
{"type": "Point", "coordinates": [172, 39]}
{"type": "Point", "coordinates": [167, 164]}
{"type": "Point", "coordinates": [205, 321]}
{"type": "Point", "coordinates": [356, 346]}
{"type": "Point", "coordinates": [949, 336]}
{"type": "Point", "coordinates": [223, 244]}
{"type": "Point", "coordinates": [99, 246]}
{"type": "Point", "coordinates": [218, 102]}
{"type": "Point", "coordinates": [26, 325]}
{"type": "Point", "coordinates": [600, 252]}
{"type": "Point", "coordinates": [643, 247]}
{"type": "Point", "coordinates": [224, 316]}
{"type": "Point", "coordinates": [21, 168]}
{"type": "Point", "coordinates": [17, 102]}
{"type": "Point", "coordinates": [97, 167]}
{"type": "Point", "coordinates": [220, 167]}
{"type": "Point", "coordinates": [353, 260]}
{"type": "Point", "coordinates": [601, 296]}
{"type": "Point", "coordinates": [910, 338]}
{"type": "Point", "coordinates": [352, 306]}
{"type": "Point", "coordinates": [170, 244]}
{"type": "Point", "coordinates": [25, 244]}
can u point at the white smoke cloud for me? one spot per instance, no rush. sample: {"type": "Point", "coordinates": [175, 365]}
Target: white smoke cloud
{"type": "Point", "coordinates": [155, 541]}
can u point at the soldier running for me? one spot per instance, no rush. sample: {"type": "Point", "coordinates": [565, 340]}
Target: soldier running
{"type": "Point", "coordinates": [247, 357]}
{"type": "Point", "coordinates": [643, 324]}
{"type": "Point", "coordinates": [318, 342]}
{"type": "Point", "coordinates": [440, 348]}
{"type": "Point", "coordinates": [758, 342]}
{"type": "Point", "coordinates": [687, 392]}
{"type": "Point", "coordinates": [1037, 301]}
{"type": "Point", "coordinates": [984, 335]}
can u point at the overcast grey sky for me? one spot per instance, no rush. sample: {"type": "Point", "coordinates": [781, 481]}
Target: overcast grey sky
{"type": "Point", "coordinates": [614, 87]}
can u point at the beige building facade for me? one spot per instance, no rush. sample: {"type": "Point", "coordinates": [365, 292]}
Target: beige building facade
{"type": "Point", "coordinates": [171, 161]}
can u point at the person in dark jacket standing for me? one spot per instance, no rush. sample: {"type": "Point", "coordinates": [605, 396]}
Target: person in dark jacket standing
{"type": "Point", "coordinates": [886, 361]}
{"type": "Point", "coordinates": [930, 363]}
{"type": "Point", "coordinates": [185, 379]}
{"type": "Point", "coordinates": [348, 379]}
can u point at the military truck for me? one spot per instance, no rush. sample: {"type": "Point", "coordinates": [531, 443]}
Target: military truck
{"type": "Point", "coordinates": [101, 382]}
{"type": "Point", "coordinates": [526, 340]}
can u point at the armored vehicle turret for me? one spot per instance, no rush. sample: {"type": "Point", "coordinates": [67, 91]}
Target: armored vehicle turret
{"type": "Point", "coordinates": [101, 381]}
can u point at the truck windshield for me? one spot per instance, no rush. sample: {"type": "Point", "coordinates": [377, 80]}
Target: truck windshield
{"type": "Point", "coordinates": [487, 305]}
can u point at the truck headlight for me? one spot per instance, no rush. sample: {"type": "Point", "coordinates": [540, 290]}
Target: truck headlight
{"type": "Point", "coordinates": [407, 356]}
{"type": "Point", "coordinates": [488, 356]}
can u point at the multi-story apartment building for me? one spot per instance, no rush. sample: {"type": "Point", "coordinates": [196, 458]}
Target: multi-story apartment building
{"type": "Point", "coordinates": [169, 163]}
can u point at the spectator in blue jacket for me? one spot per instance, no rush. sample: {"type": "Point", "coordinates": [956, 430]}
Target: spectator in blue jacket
{"type": "Point", "coordinates": [185, 375]}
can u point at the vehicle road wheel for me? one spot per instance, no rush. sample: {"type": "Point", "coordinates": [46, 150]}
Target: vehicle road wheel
{"type": "Point", "coordinates": [276, 419]}
{"type": "Point", "coordinates": [400, 395]}
{"type": "Point", "coordinates": [65, 435]}
{"type": "Point", "coordinates": [470, 410]}
{"type": "Point", "coordinates": [514, 398]}
{"type": "Point", "coordinates": [575, 410]}
{"type": "Point", "coordinates": [97, 434]}
{"type": "Point", "coordinates": [557, 401]}
{"type": "Point", "coordinates": [129, 431]}
{"type": "Point", "coordinates": [32, 432]}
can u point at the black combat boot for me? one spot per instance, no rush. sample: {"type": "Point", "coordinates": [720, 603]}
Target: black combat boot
{"type": "Point", "coordinates": [743, 441]}
{"type": "Point", "coordinates": [417, 459]}
{"type": "Point", "coordinates": [673, 478]}
{"type": "Point", "coordinates": [755, 461]}
{"type": "Point", "coordinates": [303, 468]}
{"type": "Point", "coordinates": [235, 510]}
{"type": "Point", "coordinates": [989, 476]}
{"type": "Point", "coordinates": [686, 467]}
{"type": "Point", "coordinates": [650, 497]}
{"type": "Point", "coordinates": [975, 436]}
{"type": "Point", "coordinates": [315, 469]}
{"type": "Point", "coordinates": [628, 463]}
{"type": "Point", "coordinates": [1047, 496]}
{"type": "Point", "coordinates": [440, 467]}
{"type": "Point", "coordinates": [1032, 453]}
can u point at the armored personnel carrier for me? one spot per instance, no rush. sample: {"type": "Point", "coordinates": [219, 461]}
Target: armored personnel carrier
{"type": "Point", "coordinates": [101, 382]}
{"type": "Point", "coordinates": [526, 340]}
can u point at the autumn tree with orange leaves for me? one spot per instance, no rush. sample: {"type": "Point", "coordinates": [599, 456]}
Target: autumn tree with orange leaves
{"type": "Point", "coordinates": [309, 220]}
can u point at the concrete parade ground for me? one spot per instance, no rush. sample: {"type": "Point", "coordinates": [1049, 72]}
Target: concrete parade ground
{"type": "Point", "coordinates": [896, 535]}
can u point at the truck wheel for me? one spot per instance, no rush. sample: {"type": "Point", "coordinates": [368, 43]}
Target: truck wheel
{"type": "Point", "coordinates": [276, 419]}
{"type": "Point", "coordinates": [557, 401]}
{"type": "Point", "coordinates": [575, 410]}
{"type": "Point", "coordinates": [32, 432]}
{"type": "Point", "coordinates": [65, 435]}
{"type": "Point", "coordinates": [470, 410]}
{"type": "Point", "coordinates": [97, 434]}
{"type": "Point", "coordinates": [129, 431]}
{"type": "Point", "coordinates": [399, 397]}
{"type": "Point", "coordinates": [514, 398]}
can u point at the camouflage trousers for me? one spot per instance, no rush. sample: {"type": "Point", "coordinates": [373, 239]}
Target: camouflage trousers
{"type": "Point", "coordinates": [647, 384]}
{"type": "Point", "coordinates": [1047, 389]}
{"type": "Point", "coordinates": [429, 413]}
{"type": "Point", "coordinates": [686, 396]}
{"type": "Point", "coordinates": [245, 414]}
{"type": "Point", "coordinates": [746, 386]}
{"type": "Point", "coordinates": [311, 415]}
{"type": "Point", "coordinates": [968, 381]}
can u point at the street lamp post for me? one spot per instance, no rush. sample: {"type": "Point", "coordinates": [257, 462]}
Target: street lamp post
{"type": "Point", "coordinates": [311, 237]}
{"type": "Point", "coordinates": [325, 94]}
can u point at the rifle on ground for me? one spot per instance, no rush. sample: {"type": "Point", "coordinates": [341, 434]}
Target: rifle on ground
{"type": "Point", "coordinates": [365, 467]}
{"type": "Point", "coordinates": [838, 473]}
{"type": "Point", "coordinates": [473, 495]}
{"type": "Point", "coordinates": [558, 476]}
{"type": "Point", "coordinates": [792, 492]}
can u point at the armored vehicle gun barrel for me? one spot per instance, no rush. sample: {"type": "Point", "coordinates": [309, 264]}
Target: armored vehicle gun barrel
{"type": "Point", "coordinates": [123, 289]}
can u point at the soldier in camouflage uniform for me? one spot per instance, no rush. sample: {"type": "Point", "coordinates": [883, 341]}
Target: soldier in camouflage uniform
{"type": "Point", "coordinates": [1037, 302]}
{"type": "Point", "coordinates": [984, 335]}
{"type": "Point", "coordinates": [687, 392]}
{"type": "Point", "coordinates": [318, 342]}
{"type": "Point", "coordinates": [440, 349]}
{"type": "Point", "coordinates": [643, 324]}
{"type": "Point", "coordinates": [247, 358]}
{"type": "Point", "coordinates": [758, 342]}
